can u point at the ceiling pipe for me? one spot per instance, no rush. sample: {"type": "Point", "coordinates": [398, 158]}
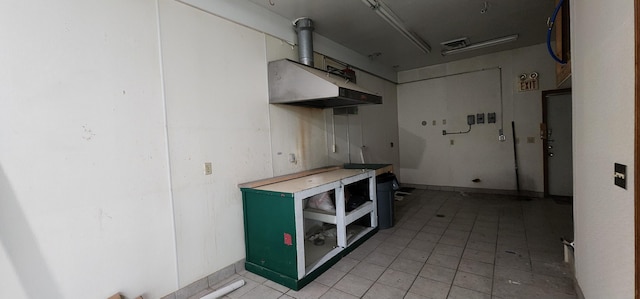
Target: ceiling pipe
{"type": "Point", "coordinates": [304, 28]}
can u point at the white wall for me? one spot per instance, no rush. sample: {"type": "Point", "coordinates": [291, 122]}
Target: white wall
{"type": "Point", "coordinates": [453, 90]}
{"type": "Point", "coordinates": [380, 122]}
{"type": "Point", "coordinates": [217, 111]}
{"type": "Point", "coordinates": [84, 187]}
{"type": "Point", "coordinates": [297, 131]}
{"type": "Point", "coordinates": [370, 132]}
{"type": "Point", "coordinates": [109, 111]}
{"type": "Point", "coordinates": [603, 99]}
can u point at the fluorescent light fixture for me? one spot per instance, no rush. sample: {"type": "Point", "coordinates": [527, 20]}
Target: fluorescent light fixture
{"type": "Point", "coordinates": [387, 14]}
{"type": "Point", "coordinates": [481, 45]}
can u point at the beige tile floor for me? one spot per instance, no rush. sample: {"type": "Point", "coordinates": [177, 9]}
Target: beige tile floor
{"type": "Point", "coordinates": [449, 245]}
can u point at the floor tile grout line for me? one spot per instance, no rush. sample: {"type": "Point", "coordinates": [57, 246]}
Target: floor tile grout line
{"type": "Point", "coordinates": [386, 268]}
{"type": "Point", "coordinates": [458, 265]}
{"type": "Point", "coordinates": [495, 255]}
{"type": "Point", "coordinates": [475, 219]}
{"type": "Point", "coordinates": [526, 239]}
{"type": "Point", "coordinates": [425, 262]}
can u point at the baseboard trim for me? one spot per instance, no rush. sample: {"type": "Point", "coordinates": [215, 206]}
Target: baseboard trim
{"type": "Point", "coordinates": [475, 190]}
{"type": "Point", "coordinates": [577, 288]}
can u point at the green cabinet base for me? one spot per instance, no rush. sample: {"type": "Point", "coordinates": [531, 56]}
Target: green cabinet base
{"type": "Point", "coordinates": [296, 284]}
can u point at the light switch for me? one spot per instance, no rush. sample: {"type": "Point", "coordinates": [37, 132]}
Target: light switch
{"type": "Point", "coordinates": [620, 175]}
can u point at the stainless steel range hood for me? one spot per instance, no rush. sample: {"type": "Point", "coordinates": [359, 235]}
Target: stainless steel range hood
{"type": "Point", "coordinates": [294, 83]}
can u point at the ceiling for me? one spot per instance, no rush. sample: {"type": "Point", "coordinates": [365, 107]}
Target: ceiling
{"type": "Point", "coordinates": [356, 26]}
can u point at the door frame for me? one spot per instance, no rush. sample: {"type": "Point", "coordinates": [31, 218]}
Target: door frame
{"type": "Point", "coordinates": [636, 147]}
{"type": "Point", "coordinates": [543, 133]}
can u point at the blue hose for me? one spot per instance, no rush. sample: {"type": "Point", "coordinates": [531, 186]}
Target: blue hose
{"type": "Point", "coordinates": [551, 22]}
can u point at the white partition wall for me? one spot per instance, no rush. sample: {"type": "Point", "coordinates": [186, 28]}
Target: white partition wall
{"type": "Point", "coordinates": [443, 95]}
{"type": "Point", "coordinates": [85, 206]}
{"type": "Point", "coordinates": [603, 120]}
{"type": "Point", "coordinates": [218, 112]}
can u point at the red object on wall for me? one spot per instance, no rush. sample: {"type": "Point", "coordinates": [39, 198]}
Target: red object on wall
{"type": "Point", "coordinates": [287, 239]}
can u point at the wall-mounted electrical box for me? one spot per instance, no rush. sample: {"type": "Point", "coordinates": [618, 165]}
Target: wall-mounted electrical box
{"type": "Point", "coordinates": [471, 119]}
{"type": "Point", "coordinates": [480, 118]}
{"type": "Point", "coordinates": [491, 117]}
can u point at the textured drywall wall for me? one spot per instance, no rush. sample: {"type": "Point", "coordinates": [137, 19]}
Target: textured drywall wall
{"type": "Point", "coordinates": [85, 206]}
{"type": "Point", "coordinates": [446, 94]}
{"type": "Point", "coordinates": [218, 112]}
{"type": "Point", "coordinates": [603, 121]}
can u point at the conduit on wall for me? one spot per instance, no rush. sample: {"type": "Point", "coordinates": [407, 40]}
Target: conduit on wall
{"type": "Point", "coordinates": [501, 136]}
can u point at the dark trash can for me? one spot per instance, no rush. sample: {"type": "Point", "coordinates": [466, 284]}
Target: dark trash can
{"type": "Point", "coordinates": [386, 185]}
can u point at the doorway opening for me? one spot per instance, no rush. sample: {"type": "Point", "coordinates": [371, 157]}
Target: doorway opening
{"type": "Point", "coordinates": [556, 134]}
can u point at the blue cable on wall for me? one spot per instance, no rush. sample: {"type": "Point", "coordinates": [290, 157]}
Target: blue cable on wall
{"type": "Point", "coordinates": [552, 20]}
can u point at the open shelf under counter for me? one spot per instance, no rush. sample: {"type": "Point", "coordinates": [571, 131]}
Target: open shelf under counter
{"type": "Point", "coordinates": [330, 217]}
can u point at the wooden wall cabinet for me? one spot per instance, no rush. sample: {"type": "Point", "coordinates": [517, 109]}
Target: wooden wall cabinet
{"type": "Point", "coordinates": [563, 46]}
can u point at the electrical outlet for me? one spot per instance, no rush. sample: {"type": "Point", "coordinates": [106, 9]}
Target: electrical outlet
{"type": "Point", "coordinates": [480, 118]}
{"type": "Point", "coordinates": [208, 169]}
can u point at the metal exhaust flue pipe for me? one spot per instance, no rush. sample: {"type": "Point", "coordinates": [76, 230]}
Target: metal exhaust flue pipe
{"type": "Point", "coordinates": [304, 28]}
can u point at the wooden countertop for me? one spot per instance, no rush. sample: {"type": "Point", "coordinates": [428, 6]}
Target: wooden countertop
{"type": "Point", "coordinates": [299, 181]}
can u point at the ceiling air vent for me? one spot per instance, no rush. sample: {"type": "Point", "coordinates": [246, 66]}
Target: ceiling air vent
{"type": "Point", "coordinates": [457, 43]}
